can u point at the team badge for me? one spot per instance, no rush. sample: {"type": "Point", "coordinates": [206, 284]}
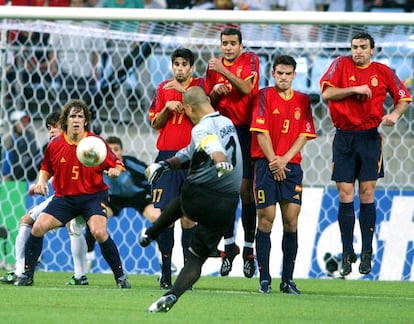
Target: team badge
{"type": "Point", "coordinates": [297, 113]}
{"type": "Point", "coordinates": [374, 81]}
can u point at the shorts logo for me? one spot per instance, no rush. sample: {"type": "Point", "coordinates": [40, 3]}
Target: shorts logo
{"type": "Point", "coordinates": [62, 160]}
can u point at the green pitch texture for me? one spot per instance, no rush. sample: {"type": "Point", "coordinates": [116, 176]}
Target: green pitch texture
{"type": "Point", "coordinates": [213, 300]}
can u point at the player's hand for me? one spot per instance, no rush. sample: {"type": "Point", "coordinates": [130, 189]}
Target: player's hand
{"type": "Point", "coordinates": [39, 189]}
{"type": "Point", "coordinates": [223, 168]}
{"type": "Point", "coordinates": [174, 85]}
{"type": "Point", "coordinates": [390, 119]}
{"type": "Point", "coordinates": [221, 89]}
{"type": "Point", "coordinates": [175, 106]}
{"type": "Point", "coordinates": [363, 92]}
{"type": "Point", "coordinates": [112, 172]}
{"type": "Point", "coordinates": [155, 171]}
{"type": "Point", "coordinates": [215, 64]}
{"type": "Point", "coordinates": [31, 190]}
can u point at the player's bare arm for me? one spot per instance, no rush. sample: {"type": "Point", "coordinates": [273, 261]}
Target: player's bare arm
{"type": "Point", "coordinates": [392, 118]}
{"type": "Point", "coordinates": [333, 93]}
{"type": "Point", "coordinates": [161, 118]}
{"type": "Point", "coordinates": [41, 187]}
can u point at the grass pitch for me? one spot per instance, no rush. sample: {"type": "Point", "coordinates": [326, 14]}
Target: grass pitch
{"type": "Point", "coordinates": [213, 300]}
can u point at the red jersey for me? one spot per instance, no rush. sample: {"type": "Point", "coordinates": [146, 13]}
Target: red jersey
{"type": "Point", "coordinates": [72, 178]}
{"type": "Point", "coordinates": [351, 113]}
{"type": "Point", "coordinates": [176, 133]}
{"type": "Point", "coordinates": [36, 3]}
{"type": "Point", "coordinates": [235, 105]}
{"type": "Point", "coordinates": [284, 120]}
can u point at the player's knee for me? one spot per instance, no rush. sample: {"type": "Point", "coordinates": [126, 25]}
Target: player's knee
{"type": "Point", "coordinates": [39, 229]}
{"type": "Point", "coordinates": [100, 234]}
{"type": "Point", "coordinates": [26, 220]}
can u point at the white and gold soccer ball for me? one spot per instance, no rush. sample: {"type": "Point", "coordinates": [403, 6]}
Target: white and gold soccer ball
{"type": "Point", "coordinates": [91, 151]}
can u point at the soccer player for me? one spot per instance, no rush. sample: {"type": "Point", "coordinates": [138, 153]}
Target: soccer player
{"type": "Point", "coordinates": [282, 124]}
{"type": "Point", "coordinates": [232, 83]}
{"type": "Point", "coordinates": [79, 191]}
{"type": "Point", "coordinates": [77, 241]}
{"type": "Point", "coordinates": [130, 189]}
{"type": "Point", "coordinates": [355, 88]}
{"type": "Point", "coordinates": [210, 194]}
{"type": "Point", "coordinates": [167, 116]}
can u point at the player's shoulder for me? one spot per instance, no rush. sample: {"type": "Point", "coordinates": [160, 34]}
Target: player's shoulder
{"type": "Point", "coordinates": [57, 140]}
{"type": "Point", "coordinates": [301, 95]}
{"type": "Point", "coordinates": [380, 66]}
{"type": "Point", "coordinates": [250, 54]}
{"type": "Point", "coordinates": [133, 159]}
{"type": "Point", "coordinates": [267, 90]}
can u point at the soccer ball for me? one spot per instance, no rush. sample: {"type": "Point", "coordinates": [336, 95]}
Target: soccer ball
{"type": "Point", "coordinates": [91, 151]}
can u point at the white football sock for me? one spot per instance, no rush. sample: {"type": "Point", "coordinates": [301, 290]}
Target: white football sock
{"type": "Point", "coordinates": [78, 247]}
{"type": "Point", "coordinates": [21, 239]}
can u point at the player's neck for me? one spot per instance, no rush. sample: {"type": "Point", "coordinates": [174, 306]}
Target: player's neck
{"type": "Point", "coordinates": [187, 82]}
{"type": "Point", "coordinates": [75, 137]}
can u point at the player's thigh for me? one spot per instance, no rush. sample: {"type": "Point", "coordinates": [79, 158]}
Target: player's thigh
{"type": "Point", "coordinates": [290, 215]}
{"type": "Point", "coordinates": [369, 148]}
{"type": "Point", "coordinates": [266, 189]}
{"type": "Point", "coordinates": [167, 187]}
{"type": "Point", "coordinates": [45, 223]}
{"type": "Point", "coordinates": [344, 163]}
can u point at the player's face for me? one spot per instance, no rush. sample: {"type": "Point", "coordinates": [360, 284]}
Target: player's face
{"type": "Point", "coordinates": [54, 130]}
{"type": "Point", "coordinates": [116, 148]}
{"type": "Point", "coordinates": [182, 69]}
{"type": "Point", "coordinates": [284, 76]}
{"type": "Point", "coordinates": [231, 47]}
{"type": "Point", "coordinates": [361, 52]}
{"type": "Point", "coordinates": [76, 121]}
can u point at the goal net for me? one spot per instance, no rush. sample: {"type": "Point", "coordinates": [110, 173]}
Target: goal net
{"type": "Point", "coordinates": [115, 66]}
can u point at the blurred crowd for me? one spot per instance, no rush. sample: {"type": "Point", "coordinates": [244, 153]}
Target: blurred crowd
{"type": "Point", "coordinates": [294, 5]}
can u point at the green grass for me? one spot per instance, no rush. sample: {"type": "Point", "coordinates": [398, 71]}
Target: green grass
{"type": "Point", "coordinates": [213, 300]}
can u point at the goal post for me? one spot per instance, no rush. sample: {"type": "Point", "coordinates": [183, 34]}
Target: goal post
{"type": "Point", "coordinates": [127, 76]}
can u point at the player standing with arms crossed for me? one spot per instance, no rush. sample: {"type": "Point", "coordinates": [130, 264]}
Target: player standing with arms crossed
{"type": "Point", "coordinates": [79, 191]}
{"type": "Point", "coordinates": [282, 124]}
{"type": "Point", "coordinates": [232, 83]}
{"type": "Point", "coordinates": [168, 117]}
{"type": "Point", "coordinates": [355, 88]}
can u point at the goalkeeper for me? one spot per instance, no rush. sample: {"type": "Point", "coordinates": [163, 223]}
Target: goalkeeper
{"type": "Point", "coordinates": [210, 194]}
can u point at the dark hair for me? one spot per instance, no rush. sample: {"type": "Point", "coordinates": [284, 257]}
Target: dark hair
{"type": "Point", "coordinates": [114, 140]}
{"type": "Point", "coordinates": [364, 36]}
{"type": "Point", "coordinates": [52, 119]}
{"type": "Point", "coordinates": [232, 31]}
{"type": "Point", "coordinates": [184, 53]}
{"type": "Point", "coordinates": [79, 105]}
{"type": "Point", "coordinates": [285, 60]}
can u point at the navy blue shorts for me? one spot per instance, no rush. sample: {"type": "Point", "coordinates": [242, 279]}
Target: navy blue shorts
{"type": "Point", "coordinates": [268, 191]}
{"type": "Point", "coordinates": [169, 185]}
{"type": "Point", "coordinates": [357, 155]}
{"type": "Point", "coordinates": [245, 138]}
{"type": "Point", "coordinates": [66, 208]}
